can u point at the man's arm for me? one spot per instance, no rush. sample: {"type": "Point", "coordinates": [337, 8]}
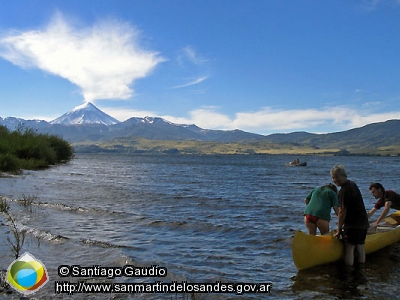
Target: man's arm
{"type": "Point", "coordinates": [341, 217]}
{"type": "Point", "coordinates": [371, 212]}
{"type": "Point", "coordinates": [383, 214]}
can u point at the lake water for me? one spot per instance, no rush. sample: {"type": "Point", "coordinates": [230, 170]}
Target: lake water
{"type": "Point", "coordinates": [205, 219]}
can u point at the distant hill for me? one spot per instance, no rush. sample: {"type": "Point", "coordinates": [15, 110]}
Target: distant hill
{"type": "Point", "coordinates": [373, 135]}
{"type": "Point", "coordinates": [86, 124]}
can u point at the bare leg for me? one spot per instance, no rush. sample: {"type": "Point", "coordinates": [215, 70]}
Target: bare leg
{"type": "Point", "coordinates": [323, 226]}
{"type": "Point", "coordinates": [312, 227]}
{"type": "Point", "coordinates": [349, 253]}
{"type": "Point", "coordinates": [361, 253]}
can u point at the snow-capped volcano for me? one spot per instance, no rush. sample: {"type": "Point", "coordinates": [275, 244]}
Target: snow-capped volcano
{"type": "Point", "coordinates": [85, 114]}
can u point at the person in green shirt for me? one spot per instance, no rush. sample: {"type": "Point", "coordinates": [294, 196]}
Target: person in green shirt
{"type": "Point", "coordinates": [318, 210]}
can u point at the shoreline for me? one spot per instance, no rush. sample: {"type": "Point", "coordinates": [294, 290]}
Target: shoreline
{"type": "Point", "coordinates": [4, 286]}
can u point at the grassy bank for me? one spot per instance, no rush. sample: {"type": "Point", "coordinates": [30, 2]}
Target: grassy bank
{"type": "Point", "coordinates": [26, 149]}
{"type": "Point", "coordinates": [141, 145]}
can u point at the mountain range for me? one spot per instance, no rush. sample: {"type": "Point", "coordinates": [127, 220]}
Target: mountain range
{"type": "Point", "coordinates": [86, 123]}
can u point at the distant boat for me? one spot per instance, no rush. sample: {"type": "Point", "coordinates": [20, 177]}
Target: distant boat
{"type": "Point", "coordinates": [298, 164]}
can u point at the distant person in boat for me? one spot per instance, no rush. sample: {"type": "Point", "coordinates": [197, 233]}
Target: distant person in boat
{"type": "Point", "coordinates": [386, 198]}
{"type": "Point", "coordinates": [318, 211]}
{"type": "Point", "coordinates": [352, 218]}
{"type": "Point", "coordinates": [297, 162]}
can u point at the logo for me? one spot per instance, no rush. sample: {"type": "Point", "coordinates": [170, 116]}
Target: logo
{"type": "Point", "coordinates": [27, 274]}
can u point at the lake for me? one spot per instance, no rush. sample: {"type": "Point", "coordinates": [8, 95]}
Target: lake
{"type": "Point", "coordinates": [202, 219]}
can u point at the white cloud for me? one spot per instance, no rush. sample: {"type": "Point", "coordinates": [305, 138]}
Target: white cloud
{"type": "Point", "coordinates": [210, 117]}
{"type": "Point", "coordinates": [103, 60]}
{"type": "Point", "coordinates": [268, 120]}
{"type": "Point", "coordinates": [330, 119]}
{"type": "Point", "coordinates": [190, 60]}
{"type": "Point", "coordinates": [192, 82]}
{"type": "Point", "coordinates": [123, 114]}
{"type": "Point", "coordinates": [193, 56]}
{"type": "Point", "coordinates": [372, 5]}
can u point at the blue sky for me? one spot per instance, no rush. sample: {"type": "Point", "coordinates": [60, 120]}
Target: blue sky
{"type": "Point", "coordinates": [263, 66]}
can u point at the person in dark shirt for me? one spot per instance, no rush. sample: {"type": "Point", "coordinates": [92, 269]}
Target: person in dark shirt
{"type": "Point", "coordinates": [386, 198]}
{"type": "Point", "coordinates": [352, 216]}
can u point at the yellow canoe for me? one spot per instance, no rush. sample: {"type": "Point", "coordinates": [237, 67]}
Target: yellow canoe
{"type": "Point", "coordinates": [314, 250]}
{"type": "Point", "coordinates": [393, 218]}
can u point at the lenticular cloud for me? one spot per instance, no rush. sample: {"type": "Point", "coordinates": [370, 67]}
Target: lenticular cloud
{"type": "Point", "coordinates": [103, 60]}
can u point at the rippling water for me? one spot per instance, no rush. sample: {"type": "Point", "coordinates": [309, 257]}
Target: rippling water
{"type": "Point", "coordinates": [204, 218]}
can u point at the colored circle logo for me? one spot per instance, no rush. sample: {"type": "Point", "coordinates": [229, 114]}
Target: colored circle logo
{"type": "Point", "coordinates": [27, 274]}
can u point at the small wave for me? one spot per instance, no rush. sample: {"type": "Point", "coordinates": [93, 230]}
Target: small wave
{"type": "Point", "coordinates": [45, 235]}
{"type": "Point", "coordinates": [105, 244]}
{"type": "Point", "coordinates": [188, 197]}
{"type": "Point", "coordinates": [219, 258]}
{"type": "Point", "coordinates": [168, 223]}
{"type": "Point", "coordinates": [77, 174]}
{"type": "Point", "coordinates": [302, 183]}
{"type": "Point", "coordinates": [239, 249]}
{"type": "Point", "coordinates": [30, 201]}
{"type": "Point", "coordinates": [38, 233]}
{"type": "Point", "coordinates": [64, 207]}
{"type": "Point", "coordinates": [8, 175]}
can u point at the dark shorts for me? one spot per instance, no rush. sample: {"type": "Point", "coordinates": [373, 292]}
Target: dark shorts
{"type": "Point", "coordinates": [355, 236]}
{"type": "Point", "coordinates": [312, 219]}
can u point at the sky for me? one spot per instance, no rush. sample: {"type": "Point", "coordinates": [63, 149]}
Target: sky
{"type": "Point", "coordinates": [262, 66]}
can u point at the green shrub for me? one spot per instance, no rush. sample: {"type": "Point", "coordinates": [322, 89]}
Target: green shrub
{"type": "Point", "coordinates": [26, 149]}
{"type": "Point", "coordinates": [8, 163]}
{"type": "Point", "coordinates": [62, 148]}
{"type": "Point", "coordinates": [33, 164]}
